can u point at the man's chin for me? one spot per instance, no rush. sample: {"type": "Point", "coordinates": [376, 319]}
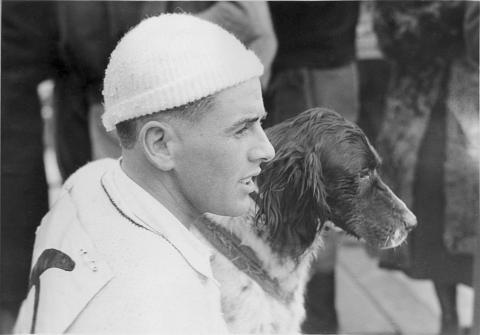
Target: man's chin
{"type": "Point", "coordinates": [239, 209]}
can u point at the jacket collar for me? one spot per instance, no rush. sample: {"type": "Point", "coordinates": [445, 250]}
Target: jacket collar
{"type": "Point", "coordinates": [144, 210]}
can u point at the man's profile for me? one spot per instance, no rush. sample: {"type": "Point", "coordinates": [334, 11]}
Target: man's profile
{"type": "Point", "coordinates": [185, 99]}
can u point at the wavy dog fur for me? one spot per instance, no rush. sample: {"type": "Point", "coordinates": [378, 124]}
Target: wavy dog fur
{"type": "Point", "coordinates": [324, 170]}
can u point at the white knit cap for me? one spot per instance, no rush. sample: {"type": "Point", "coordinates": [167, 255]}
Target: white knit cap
{"type": "Point", "coordinates": [169, 61]}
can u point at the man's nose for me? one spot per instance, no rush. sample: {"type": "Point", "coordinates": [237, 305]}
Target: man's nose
{"type": "Point", "coordinates": [263, 150]}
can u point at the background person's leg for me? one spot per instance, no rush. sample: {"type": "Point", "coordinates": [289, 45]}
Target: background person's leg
{"type": "Point", "coordinates": [373, 75]}
{"type": "Point", "coordinates": [447, 297]}
{"type": "Point", "coordinates": [72, 138]}
{"type": "Point", "coordinates": [321, 313]}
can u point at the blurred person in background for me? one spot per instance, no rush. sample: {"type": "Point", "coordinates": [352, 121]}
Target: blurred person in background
{"type": "Point", "coordinates": [315, 66]}
{"type": "Point", "coordinates": [373, 73]}
{"type": "Point", "coordinates": [429, 139]}
{"type": "Point", "coordinates": [28, 57]}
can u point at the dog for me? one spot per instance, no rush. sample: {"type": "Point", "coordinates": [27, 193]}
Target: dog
{"type": "Point", "coordinates": [324, 170]}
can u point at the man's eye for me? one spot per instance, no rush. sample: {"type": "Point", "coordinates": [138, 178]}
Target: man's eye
{"type": "Point", "coordinates": [244, 129]}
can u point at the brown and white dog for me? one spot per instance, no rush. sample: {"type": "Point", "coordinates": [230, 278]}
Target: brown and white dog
{"type": "Point", "coordinates": [324, 170]}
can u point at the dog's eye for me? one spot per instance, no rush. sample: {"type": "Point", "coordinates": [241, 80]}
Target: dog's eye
{"type": "Point", "coordinates": [366, 173]}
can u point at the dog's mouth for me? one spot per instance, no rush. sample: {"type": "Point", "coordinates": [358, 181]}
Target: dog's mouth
{"type": "Point", "coordinates": [331, 225]}
{"type": "Point", "coordinates": [396, 239]}
{"type": "Point", "coordinates": [372, 236]}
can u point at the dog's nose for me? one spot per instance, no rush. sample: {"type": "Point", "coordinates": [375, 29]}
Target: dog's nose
{"type": "Point", "coordinates": [409, 219]}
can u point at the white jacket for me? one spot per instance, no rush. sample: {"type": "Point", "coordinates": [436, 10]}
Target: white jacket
{"type": "Point", "coordinates": [115, 260]}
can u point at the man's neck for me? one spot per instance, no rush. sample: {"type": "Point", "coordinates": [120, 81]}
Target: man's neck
{"type": "Point", "coordinates": [160, 186]}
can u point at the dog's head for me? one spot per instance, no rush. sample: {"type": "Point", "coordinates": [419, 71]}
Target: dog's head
{"type": "Point", "coordinates": [326, 170]}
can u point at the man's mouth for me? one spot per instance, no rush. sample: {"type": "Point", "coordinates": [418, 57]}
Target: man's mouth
{"type": "Point", "coordinates": [247, 181]}
{"type": "Point", "coordinates": [250, 183]}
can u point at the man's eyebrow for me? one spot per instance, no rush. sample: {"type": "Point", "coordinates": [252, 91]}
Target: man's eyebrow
{"type": "Point", "coordinates": [247, 120]}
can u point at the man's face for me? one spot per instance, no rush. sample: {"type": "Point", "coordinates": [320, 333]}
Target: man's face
{"type": "Point", "coordinates": [217, 156]}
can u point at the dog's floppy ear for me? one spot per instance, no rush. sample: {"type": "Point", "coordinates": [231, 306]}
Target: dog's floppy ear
{"type": "Point", "coordinates": [314, 176]}
{"type": "Point", "coordinates": [292, 200]}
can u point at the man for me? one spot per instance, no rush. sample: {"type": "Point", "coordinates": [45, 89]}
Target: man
{"type": "Point", "coordinates": [116, 253]}
{"type": "Point", "coordinates": [69, 42]}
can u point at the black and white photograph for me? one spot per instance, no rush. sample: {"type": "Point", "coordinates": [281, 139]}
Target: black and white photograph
{"type": "Point", "coordinates": [240, 167]}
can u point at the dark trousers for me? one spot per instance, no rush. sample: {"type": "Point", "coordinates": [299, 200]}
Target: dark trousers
{"type": "Point", "coordinates": [373, 75]}
{"type": "Point", "coordinates": [72, 138]}
{"type": "Point", "coordinates": [24, 192]}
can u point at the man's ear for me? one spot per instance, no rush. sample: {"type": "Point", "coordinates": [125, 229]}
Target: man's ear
{"type": "Point", "coordinates": [157, 139]}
